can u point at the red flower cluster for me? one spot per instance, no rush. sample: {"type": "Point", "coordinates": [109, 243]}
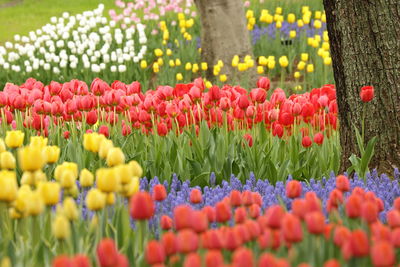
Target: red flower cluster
{"type": "Point", "coordinates": [157, 111]}
{"type": "Point", "coordinates": [275, 229]}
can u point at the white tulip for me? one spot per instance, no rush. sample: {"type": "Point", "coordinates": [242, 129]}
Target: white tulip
{"type": "Point", "coordinates": [121, 68]}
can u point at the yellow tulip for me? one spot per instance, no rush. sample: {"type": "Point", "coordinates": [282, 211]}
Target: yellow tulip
{"type": "Point", "coordinates": [298, 88]}
{"type": "Point", "coordinates": [262, 61]}
{"type": "Point", "coordinates": [178, 62]}
{"type": "Point", "coordinates": [115, 156]}
{"type": "Point", "coordinates": [160, 62]}
{"type": "Point", "coordinates": [31, 158]}
{"type": "Point", "coordinates": [250, 63]}
{"type": "Point", "coordinates": [195, 68]}
{"type": "Point", "coordinates": [50, 192]}
{"type": "Point", "coordinates": [107, 180]}
{"type": "Point", "coordinates": [14, 214]}
{"type": "Point", "coordinates": [323, 17]}
{"type": "Point", "coordinates": [325, 46]}
{"type": "Point", "coordinates": [110, 199]}
{"type": "Point", "coordinates": [278, 10]}
{"type": "Point", "coordinates": [328, 61]}
{"type": "Point", "coordinates": [204, 66]}
{"type": "Point", "coordinates": [283, 61]}
{"type": "Point", "coordinates": [61, 228]}
{"type": "Point", "coordinates": [320, 52]}
{"type": "Point", "coordinates": [28, 178]}
{"type": "Point", "coordinates": [306, 19]}
{"type": "Point", "coordinates": [158, 52]}
{"type": "Point", "coordinates": [39, 141]}
{"type": "Point", "coordinates": [86, 178]}
{"type": "Point", "coordinates": [72, 166]}
{"type": "Point", "coordinates": [208, 84]}
{"type": "Point", "coordinates": [235, 61]}
{"type": "Point", "coordinates": [8, 186]}
{"type": "Point", "coordinates": [242, 67]}
{"type": "Point", "coordinates": [125, 173]}
{"type": "Point", "coordinates": [305, 9]}
{"type": "Point", "coordinates": [91, 141]}
{"type": "Point", "coordinates": [171, 63]}
{"type": "Point", "coordinates": [291, 18]}
{"type": "Point", "coordinates": [249, 13]}
{"type": "Point", "coordinates": [292, 34]}
{"type": "Point", "coordinates": [300, 23]}
{"type": "Point", "coordinates": [163, 25]}
{"type": "Point", "coordinates": [301, 65]}
{"type": "Point", "coordinates": [188, 66]}
{"type": "Point", "coordinates": [7, 160]}
{"type": "Point", "coordinates": [136, 168]}
{"type": "Point", "coordinates": [143, 64]}
{"type": "Point", "coordinates": [14, 139]}
{"type": "Point", "coordinates": [179, 76]}
{"type": "Point", "coordinates": [52, 153]}
{"type": "Point", "coordinates": [156, 68]}
{"type": "Point", "coordinates": [304, 56]}
{"type": "Point", "coordinates": [169, 52]}
{"type": "Point", "coordinates": [67, 179]}
{"type": "Point", "coordinates": [129, 189]}
{"type": "Point", "coordinates": [317, 24]}
{"type": "Point", "coordinates": [35, 204]}
{"type": "Point", "coordinates": [2, 145]}
{"type": "Point", "coordinates": [318, 14]}
{"type": "Point", "coordinates": [105, 146]}
{"type": "Point", "coordinates": [260, 69]}
{"type": "Point", "coordinates": [297, 74]}
{"type": "Point", "coordinates": [70, 209]}
{"type": "Point", "coordinates": [39, 176]}
{"type": "Point", "coordinates": [223, 78]}
{"type": "Point", "coordinates": [189, 23]}
{"type": "Point", "coordinates": [95, 199]}
{"type": "Point", "coordinates": [271, 64]}
{"type": "Point", "coordinates": [278, 24]}
{"type": "Point", "coordinates": [325, 36]}
{"type": "Point", "coordinates": [310, 68]}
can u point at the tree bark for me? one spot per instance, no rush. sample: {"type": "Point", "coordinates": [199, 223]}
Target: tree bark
{"type": "Point", "coordinates": [224, 34]}
{"type": "Point", "coordinates": [365, 47]}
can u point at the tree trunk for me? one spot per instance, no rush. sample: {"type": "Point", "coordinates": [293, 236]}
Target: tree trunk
{"type": "Point", "coordinates": [224, 34]}
{"type": "Point", "coordinates": [365, 47]}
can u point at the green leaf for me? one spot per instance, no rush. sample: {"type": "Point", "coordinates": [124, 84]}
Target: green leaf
{"type": "Point", "coordinates": [201, 180]}
{"type": "Point", "coordinates": [367, 156]}
{"type": "Point", "coordinates": [360, 142]}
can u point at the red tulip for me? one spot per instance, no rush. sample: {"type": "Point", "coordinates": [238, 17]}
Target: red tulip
{"type": "Point", "coordinates": [195, 196]}
{"type": "Point", "coordinates": [341, 235]}
{"type": "Point", "coordinates": [62, 261]}
{"type": "Point", "coordinates": [367, 93]}
{"type": "Point", "coordinates": [213, 239]}
{"type": "Point", "coordinates": [234, 237]}
{"type": "Point", "coordinates": [126, 130]}
{"type": "Point", "coordinates": [249, 139]}
{"type": "Point", "coordinates": [187, 240]}
{"type": "Point", "coordinates": [192, 260]}
{"type": "Point", "coordinates": [66, 134]}
{"type": "Point", "coordinates": [235, 198]}
{"type": "Point", "coordinates": [170, 243]}
{"type": "Point", "coordinates": [104, 130]}
{"type": "Point", "coordinates": [81, 260]}
{"type": "Point", "coordinates": [162, 129]}
{"type": "Point", "coordinates": [242, 257]}
{"type": "Point", "coordinates": [393, 218]}
{"type": "Point", "coordinates": [247, 197]}
{"type": "Point", "coordinates": [210, 212]}
{"type": "Point", "coordinates": [183, 217]}
{"type": "Point", "coordinates": [383, 254]}
{"type": "Point", "coordinates": [91, 117]}
{"type": "Point", "coordinates": [123, 261]}
{"type": "Point", "coordinates": [199, 221]}
{"type": "Point", "coordinates": [142, 206]}
{"type": "Point", "coordinates": [306, 141]}
{"type": "Point", "coordinates": [214, 93]}
{"type": "Point", "coordinates": [223, 212]}
{"type": "Point", "coordinates": [293, 189]}
{"type": "Point", "coordinates": [107, 253]}
{"type": "Point", "coordinates": [353, 206]}
{"type": "Point", "coordinates": [214, 258]}
{"type": "Point", "coordinates": [299, 207]}
{"type": "Point", "coordinates": [254, 211]}
{"type": "Point", "coordinates": [269, 239]}
{"type": "Point", "coordinates": [159, 192]}
{"type": "Point", "coordinates": [359, 243]}
{"type": "Point", "coordinates": [291, 228]}
{"type": "Point", "coordinates": [396, 203]}
{"type": "Point", "coordinates": [264, 83]}
{"type": "Point", "coordinates": [154, 253]}
{"type": "Point", "coordinates": [274, 216]}
{"type": "Point", "coordinates": [395, 237]}
{"type": "Point", "coordinates": [342, 183]}
{"type": "Point", "coordinates": [318, 138]}
{"type": "Point", "coordinates": [369, 211]}
{"type": "Point", "coordinates": [166, 222]}
{"type": "Point", "coordinates": [243, 102]}
{"type": "Point", "coordinates": [240, 215]}
{"type": "Point", "coordinates": [332, 263]}
{"type": "Point", "coordinates": [315, 222]}
{"type": "Point", "coordinates": [258, 95]}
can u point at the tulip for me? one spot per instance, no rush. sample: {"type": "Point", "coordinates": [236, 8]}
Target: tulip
{"type": "Point", "coordinates": [7, 160]}
{"type": "Point", "coordinates": [162, 129]}
{"type": "Point", "coordinates": [192, 260]}
{"type": "Point", "coordinates": [115, 156]}
{"type": "Point", "coordinates": [342, 183]}
{"type": "Point", "coordinates": [104, 148]}
{"type": "Point", "coordinates": [14, 139]}
{"type": "Point", "coordinates": [81, 260]}
{"type": "Point", "coordinates": [159, 192]}
{"type": "Point", "coordinates": [341, 235]}
{"type": "Point", "coordinates": [369, 211]}
{"type": "Point", "coordinates": [136, 168]}
{"type": "Point", "coordinates": [50, 192]}
{"type": "Point", "coordinates": [142, 206]}
{"type": "Point", "coordinates": [383, 254]}
{"type": "Point", "coordinates": [69, 209]}
{"type": "Point", "coordinates": [235, 198]}
{"type": "Point", "coordinates": [62, 261]}
{"type": "Point", "coordinates": [86, 178]}
{"type": "Point", "coordinates": [107, 253]}
{"type": "Point", "coordinates": [183, 217]}
{"type": "Point", "coordinates": [187, 241]}
{"type": "Point", "coordinates": [169, 243]}
{"type": "Point", "coordinates": [306, 141]}
{"type": "Point", "coordinates": [103, 129]}
{"type": "Point", "coordinates": [8, 186]}
{"type": "Point", "coordinates": [35, 204]}
{"type": "Point", "coordinates": [353, 206]}
{"type": "Point", "coordinates": [291, 228]}
{"type": "Point", "coordinates": [25, 156]}
{"type": "Point", "coordinates": [95, 199]}
{"type": "Point", "coordinates": [243, 257]}
{"type": "Point", "coordinates": [359, 244]}
{"type": "Point", "coordinates": [61, 228]}
{"type": "Point", "coordinates": [332, 263]}
{"type": "Point", "coordinates": [264, 83]}
{"type": "Point", "coordinates": [195, 196]}
{"type": "Point", "coordinates": [223, 212]}
{"type": "Point", "coordinates": [318, 138]}
{"type": "Point", "coordinates": [52, 154]}
{"type": "Point", "coordinates": [166, 222]}
{"type": "Point", "coordinates": [293, 189]}
{"type": "Point", "coordinates": [154, 253]}
{"type": "Point", "coordinates": [266, 260]}
{"type": "Point", "coordinates": [393, 218]}
{"type": "Point", "coordinates": [199, 221]}
{"type": "Point", "coordinates": [92, 141]}
{"type": "Point", "coordinates": [213, 258]}
{"type": "Point", "coordinates": [367, 93]}
{"type": "Point", "coordinates": [274, 216]}
{"type": "Point", "coordinates": [315, 222]}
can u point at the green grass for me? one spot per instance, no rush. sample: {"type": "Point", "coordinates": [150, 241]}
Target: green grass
{"type": "Point", "coordinates": [33, 14]}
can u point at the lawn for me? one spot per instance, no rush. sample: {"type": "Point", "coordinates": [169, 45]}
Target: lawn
{"type": "Point", "coordinates": [32, 14]}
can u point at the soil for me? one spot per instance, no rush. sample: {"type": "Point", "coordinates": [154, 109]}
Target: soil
{"type": "Point", "coordinates": [10, 3]}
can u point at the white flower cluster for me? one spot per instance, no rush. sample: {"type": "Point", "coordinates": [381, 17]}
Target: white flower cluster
{"type": "Point", "coordinates": [70, 43]}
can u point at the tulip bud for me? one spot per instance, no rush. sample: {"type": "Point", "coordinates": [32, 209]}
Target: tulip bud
{"type": "Point", "coordinates": [104, 148]}
{"type": "Point", "coordinates": [95, 199]}
{"type": "Point", "coordinates": [25, 156]}
{"type": "Point", "coordinates": [136, 168]}
{"type": "Point", "coordinates": [7, 160]}
{"type": "Point", "coordinates": [86, 178]}
{"type": "Point", "coordinates": [50, 192]}
{"type": "Point", "coordinates": [35, 204]}
{"type": "Point", "coordinates": [154, 253]}
{"type": "Point", "coordinates": [8, 186]}
{"type": "Point", "coordinates": [70, 210]}
{"type": "Point", "coordinates": [107, 180]}
{"type": "Point", "coordinates": [61, 228]}
{"type": "Point", "coordinates": [52, 153]}
{"type": "Point", "coordinates": [14, 139]}
{"type": "Point", "coordinates": [115, 156]}
{"type": "Point", "coordinates": [141, 206]}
